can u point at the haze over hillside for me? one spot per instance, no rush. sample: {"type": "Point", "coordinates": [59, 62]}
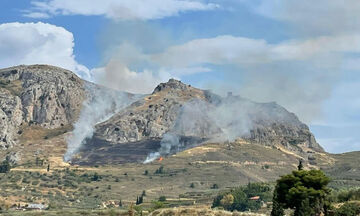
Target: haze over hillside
{"type": "Point", "coordinates": [51, 117]}
{"type": "Point", "coordinates": [173, 118]}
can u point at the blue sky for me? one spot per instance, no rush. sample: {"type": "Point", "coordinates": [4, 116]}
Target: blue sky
{"type": "Point", "coordinates": [302, 54]}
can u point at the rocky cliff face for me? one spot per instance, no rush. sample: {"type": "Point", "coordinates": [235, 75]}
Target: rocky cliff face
{"type": "Point", "coordinates": [149, 117]}
{"type": "Point", "coordinates": [42, 95]}
{"type": "Point", "coordinates": [10, 117]}
{"type": "Point", "coordinates": [51, 97]}
{"type": "Point", "coordinates": [190, 112]}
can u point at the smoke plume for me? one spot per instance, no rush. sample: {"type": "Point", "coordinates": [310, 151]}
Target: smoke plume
{"type": "Point", "coordinates": [217, 120]}
{"type": "Point", "coordinates": [101, 105]}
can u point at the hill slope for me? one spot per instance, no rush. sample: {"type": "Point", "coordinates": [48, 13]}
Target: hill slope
{"type": "Point", "coordinates": [216, 147]}
{"type": "Point", "coordinates": [177, 116]}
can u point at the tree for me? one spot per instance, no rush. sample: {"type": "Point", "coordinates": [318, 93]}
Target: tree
{"type": "Point", "coordinates": [302, 190]}
{"type": "Point", "coordinates": [146, 172]}
{"type": "Point", "coordinates": [95, 177]}
{"type": "Point", "coordinates": [300, 166]}
{"type": "Point", "coordinates": [120, 203]}
{"type": "Point", "coordinates": [192, 185]}
{"type": "Point", "coordinates": [160, 170]}
{"type": "Point", "coordinates": [214, 186]}
{"type": "Point", "coordinates": [48, 168]}
{"type": "Point", "coordinates": [143, 193]}
{"type": "Point", "coordinates": [243, 197]}
{"type": "Point", "coordinates": [227, 201]}
{"type": "Point", "coordinates": [348, 209]}
{"type": "Point", "coordinates": [277, 208]}
{"type": "Point", "coordinates": [162, 199]}
{"type": "Point", "coordinates": [5, 166]}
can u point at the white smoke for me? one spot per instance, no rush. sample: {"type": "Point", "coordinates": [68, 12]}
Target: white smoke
{"type": "Point", "coordinates": [101, 105]}
{"type": "Point", "coordinates": [220, 120]}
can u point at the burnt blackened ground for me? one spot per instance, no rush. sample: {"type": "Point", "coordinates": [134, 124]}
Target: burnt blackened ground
{"type": "Point", "coordinates": [99, 152]}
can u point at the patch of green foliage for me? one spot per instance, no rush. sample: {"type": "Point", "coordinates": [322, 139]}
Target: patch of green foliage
{"type": "Point", "coordinates": [5, 166]}
{"type": "Point", "coordinates": [239, 198]}
{"type": "Point", "coordinates": [348, 209]}
{"type": "Point", "coordinates": [302, 190]}
{"type": "Point", "coordinates": [346, 195]}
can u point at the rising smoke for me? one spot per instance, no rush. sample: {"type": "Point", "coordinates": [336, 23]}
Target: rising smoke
{"type": "Point", "coordinates": [217, 120]}
{"type": "Point", "coordinates": [101, 105]}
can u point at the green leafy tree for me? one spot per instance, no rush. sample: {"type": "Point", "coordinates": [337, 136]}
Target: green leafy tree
{"type": "Point", "coordinates": [277, 208]}
{"type": "Point", "coordinates": [227, 201]}
{"type": "Point", "coordinates": [241, 197]}
{"type": "Point", "coordinates": [348, 209]}
{"type": "Point", "coordinates": [5, 166]}
{"type": "Point", "coordinates": [162, 199]}
{"type": "Point", "coordinates": [300, 166]}
{"type": "Point", "coordinates": [302, 190]}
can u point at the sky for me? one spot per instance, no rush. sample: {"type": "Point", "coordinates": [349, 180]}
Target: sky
{"type": "Point", "coordinates": [305, 55]}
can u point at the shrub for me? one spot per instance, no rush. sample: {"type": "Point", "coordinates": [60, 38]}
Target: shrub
{"type": "Point", "coordinates": [239, 198]}
{"type": "Point", "coordinates": [348, 209]}
{"type": "Point", "coordinates": [160, 170]}
{"type": "Point", "coordinates": [5, 166]}
{"type": "Point", "coordinates": [162, 199]}
{"type": "Point", "coordinates": [214, 186]}
{"type": "Point", "coordinates": [36, 182]}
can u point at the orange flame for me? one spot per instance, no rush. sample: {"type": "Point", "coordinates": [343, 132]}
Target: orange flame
{"type": "Point", "coordinates": [160, 159]}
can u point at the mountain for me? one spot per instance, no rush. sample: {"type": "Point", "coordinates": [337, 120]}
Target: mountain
{"type": "Point", "coordinates": [42, 95]}
{"type": "Point", "coordinates": [194, 116]}
{"type": "Point", "coordinates": [49, 97]}
{"type": "Point", "coordinates": [203, 140]}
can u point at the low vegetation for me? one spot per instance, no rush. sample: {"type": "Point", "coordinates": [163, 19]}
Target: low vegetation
{"type": "Point", "coordinates": [244, 198]}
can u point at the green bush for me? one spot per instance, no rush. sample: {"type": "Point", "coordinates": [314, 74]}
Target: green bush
{"type": "Point", "coordinates": [348, 195]}
{"type": "Point", "coordinates": [5, 166]}
{"type": "Point", "coordinates": [348, 209]}
{"type": "Point", "coordinates": [35, 182]}
{"type": "Point", "coordinates": [162, 199]}
{"type": "Point", "coordinates": [304, 191]}
{"type": "Point", "coordinates": [239, 198]}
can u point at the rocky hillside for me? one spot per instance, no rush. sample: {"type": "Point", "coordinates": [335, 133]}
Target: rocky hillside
{"type": "Point", "coordinates": [43, 95]}
{"type": "Point", "coordinates": [50, 97]}
{"type": "Point", "coordinates": [195, 116]}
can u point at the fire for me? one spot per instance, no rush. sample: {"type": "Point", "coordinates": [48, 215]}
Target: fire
{"type": "Point", "coordinates": [160, 159]}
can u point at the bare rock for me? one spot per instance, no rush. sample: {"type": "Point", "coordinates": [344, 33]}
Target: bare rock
{"type": "Point", "coordinates": [10, 117]}
{"type": "Point", "coordinates": [149, 117]}
{"type": "Point", "coordinates": [162, 111]}
{"type": "Point", "coordinates": [43, 95]}
{"type": "Point", "coordinates": [50, 96]}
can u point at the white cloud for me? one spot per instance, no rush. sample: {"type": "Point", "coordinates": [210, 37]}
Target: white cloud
{"type": "Point", "coordinates": [119, 9]}
{"type": "Point", "coordinates": [117, 75]}
{"type": "Point", "coordinates": [38, 43]}
{"type": "Point", "coordinates": [37, 15]}
{"type": "Point", "coordinates": [298, 74]}
{"type": "Point", "coordinates": [314, 17]}
{"type": "Point", "coordinates": [228, 49]}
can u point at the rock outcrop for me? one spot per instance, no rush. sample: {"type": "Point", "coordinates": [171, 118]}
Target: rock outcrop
{"type": "Point", "coordinates": [51, 97]}
{"type": "Point", "coordinates": [43, 95]}
{"type": "Point", "coordinates": [10, 118]}
{"type": "Point", "coordinates": [149, 117]}
{"type": "Point", "coordinates": [190, 112]}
